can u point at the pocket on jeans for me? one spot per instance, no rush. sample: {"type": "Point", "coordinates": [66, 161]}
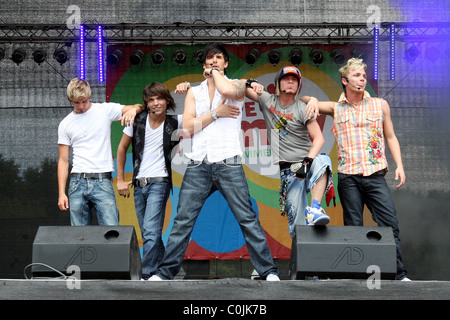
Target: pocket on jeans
{"type": "Point", "coordinates": [106, 185]}
{"type": "Point", "coordinates": [73, 186]}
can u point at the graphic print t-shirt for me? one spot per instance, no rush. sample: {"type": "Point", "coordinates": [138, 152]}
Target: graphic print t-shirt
{"type": "Point", "coordinates": [286, 125]}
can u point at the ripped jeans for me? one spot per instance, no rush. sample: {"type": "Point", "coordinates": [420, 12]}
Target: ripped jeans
{"type": "Point", "coordinates": [294, 192]}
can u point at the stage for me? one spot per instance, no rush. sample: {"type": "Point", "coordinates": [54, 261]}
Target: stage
{"type": "Point", "coordinates": [222, 289]}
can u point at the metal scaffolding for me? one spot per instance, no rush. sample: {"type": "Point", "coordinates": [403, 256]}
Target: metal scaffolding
{"type": "Point", "coordinates": [181, 33]}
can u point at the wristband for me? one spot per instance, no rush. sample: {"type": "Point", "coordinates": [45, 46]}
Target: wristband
{"type": "Point", "coordinates": [249, 82]}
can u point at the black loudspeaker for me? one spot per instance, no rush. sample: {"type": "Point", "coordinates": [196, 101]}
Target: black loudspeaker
{"type": "Point", "coordinates": [97, 252]}
{"type": "Point", "coordinates": [343, 252]}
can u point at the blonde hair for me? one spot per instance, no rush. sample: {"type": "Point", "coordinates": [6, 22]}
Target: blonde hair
{"type": "Point", "coordinates": [78, 89]}
{"type": "Point", "coordinates": [352, 64]}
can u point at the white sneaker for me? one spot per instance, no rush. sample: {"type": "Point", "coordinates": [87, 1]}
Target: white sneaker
{"type": "Point", "coordinates": [154, 278]}
{"type": "Point", "coordinates": [405, 279]}
{"type": "Point", "coordinates": [272, 277]}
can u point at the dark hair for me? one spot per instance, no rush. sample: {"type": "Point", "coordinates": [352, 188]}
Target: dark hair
{"type": "Point", "coordinates": [214, 48]}
{"type": "Point", "coordinates": [160, 90]}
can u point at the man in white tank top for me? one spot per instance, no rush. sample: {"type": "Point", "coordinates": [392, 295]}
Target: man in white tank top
{"type": "Point", "coordinates": [212, 117]}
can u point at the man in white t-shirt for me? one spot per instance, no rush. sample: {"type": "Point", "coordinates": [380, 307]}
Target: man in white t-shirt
{"type": "Point", "coordinates": [87, 130]}
{"type": "Point", "coordinates": [153, 136]}
{"type": "Point", "coordinates": [212, 116]}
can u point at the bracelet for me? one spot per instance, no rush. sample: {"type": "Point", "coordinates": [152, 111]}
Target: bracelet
{"type": "Point", "coordinates": [63, 194]}
{"type": "Point", "coordinates": [249, 82]}
{"type": "Point", "coordinates": [210, 72]}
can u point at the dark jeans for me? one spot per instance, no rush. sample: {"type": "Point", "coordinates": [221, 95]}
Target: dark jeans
{"type": "Point", "coordinates": [357, 190]}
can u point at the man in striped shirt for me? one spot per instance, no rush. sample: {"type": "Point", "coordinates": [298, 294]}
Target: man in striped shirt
{"type": "Point", "coordinates": [361, 126]}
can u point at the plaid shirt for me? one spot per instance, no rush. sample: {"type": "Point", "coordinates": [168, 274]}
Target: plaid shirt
{"type": "Point", "coordinates": [359, 135]}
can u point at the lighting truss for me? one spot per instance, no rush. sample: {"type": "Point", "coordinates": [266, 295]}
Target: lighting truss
{"type": "Point", "coordinates": [227, 33]}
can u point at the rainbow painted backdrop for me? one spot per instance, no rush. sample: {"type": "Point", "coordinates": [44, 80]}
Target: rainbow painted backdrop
{"type": "Point", "coordinates": [217, 234]}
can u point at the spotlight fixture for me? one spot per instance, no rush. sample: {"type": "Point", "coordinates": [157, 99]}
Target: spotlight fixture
{"type": "Point", "coordinates": [114, 57]}
{"type": "Point", "coordinates": [432, 54]}
{"type": "Point", "coordinates": [411, 54]}
{"type": "Point", "coordinates": [39, 56]}
{"type": "Point", "coordinates": [252, 56]}
{"type": "Point", "coordinates": [179, 56]}
{"type": "Point", "coordinates": [2, 54]}
{"type": "Point", "coordinates": [316, 56]}
{"type": "Point", "coordinates": [357, 53]}
{"type": "Point", "coordinates": [158, 57]}
{"type": "Point", "coordinates": [60, 55]}
{"type": "Point", "coordinates": [338, 56]}
{"type": "Point", "coordinates": [18, 56]}
{"type": "Point", "coordinates": [198, 55]}
{"type": "Point", "coordinates": [136, 57]}
{"type": "Point", "coordinates": [274, 56]}
{"type": "Point", "coordinates": [296, 56]}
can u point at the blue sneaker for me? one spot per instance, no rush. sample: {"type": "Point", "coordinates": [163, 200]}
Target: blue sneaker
{"type": "Point", "coordinates": [316, 217]}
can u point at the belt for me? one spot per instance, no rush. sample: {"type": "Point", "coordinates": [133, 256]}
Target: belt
{"type": "Point", "coordinates": [84, 175]}
{"type": "Point", "coordinates": [285, 165]}
{"type": "Point", "coordinates": [142, 182]}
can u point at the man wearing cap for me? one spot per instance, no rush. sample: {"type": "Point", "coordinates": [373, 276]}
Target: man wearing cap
{"type": "Point", "coordinates": [302, 168]}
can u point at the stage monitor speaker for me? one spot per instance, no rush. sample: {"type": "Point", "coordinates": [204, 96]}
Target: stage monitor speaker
{"type": "Point", "coordinates": [97, 252]}
{"type": "Point", "coordinates": [342, 252]}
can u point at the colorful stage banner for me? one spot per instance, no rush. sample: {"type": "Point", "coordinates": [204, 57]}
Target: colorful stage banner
{"type": "Point", "coordinates": [217, 234]}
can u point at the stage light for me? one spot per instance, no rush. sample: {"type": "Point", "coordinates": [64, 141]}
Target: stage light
{"type": "Point", "coordinates": [136, 57]}
{"type": "Point", "coordinates": [60, 55]}
{"type": "Point", "coordinates": [252, 56]}
{"type": "Point", "coordinates": [18, 56]}
{"type": "Point", "coordinates": [316, 56]}
{"type": "Point", "coordinates": [2, 54]}
{"type": "Point", "coordinates": [114, 57]}
{"type": "Point", "coordinates": [101, 65]}
{"type": "Point", "coordinates": [179, 56]}
{"type": "Point", "coordinates": [82, 54]}
{"type": "Point", "coordinates": [198, 55]}
{"type": "Point", "coordinates": [392, 52]}
{"type": "Point", "coordinates": [39, 56]}
{"type": "Point", "coordinates": [158, 57]}
{"type": "Point", "coordinates": [411, 54]}
{"type": "Point", "coordinates": [274, 56]}
{"type": "Point", "coordinates": [375, 54]}
{"type": "Point", "coordinates": [432, 54]}
{"type": "Point", "coordinates": [357, 53]}
{"type": "Point", "coordinates": [338, 56]}
{"type": "Point", "coordinates": [296, 56]}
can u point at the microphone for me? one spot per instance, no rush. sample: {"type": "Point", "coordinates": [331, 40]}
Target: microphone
{"type": "Point", "coordinates": [352, 84]}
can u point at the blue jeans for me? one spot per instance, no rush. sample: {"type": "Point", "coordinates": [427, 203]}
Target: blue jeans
{"type": "Point", "coordinates": [99, 193]}
{"type": "Point", "coordinates": [200, 180]}
{"type": "Point", "coordinates": [357, 190]}
{"type": "Point", "coordinates": [150, 202]}
{"type": "Point", "coordinates": [295, 191]}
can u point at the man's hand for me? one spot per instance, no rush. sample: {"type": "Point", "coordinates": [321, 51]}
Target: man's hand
{"type": "Point", "coordinates": [400, 173]}
{"type": "Point", "coordinates": [227, 111]}
{"type": "Point", "coordinates": [312, 109]}
{"type": "Point", "coordinates": [63, 202]}
{"type": "Point", "coordinates": [128, 117]}
{"type": "Point", "coordinates": [183, 87]}
{"type": "Point", "coordinates": [123, 188]}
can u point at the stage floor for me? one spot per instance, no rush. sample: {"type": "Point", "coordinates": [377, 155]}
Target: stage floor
{"type": "Point", "coordinates": [222, 289]}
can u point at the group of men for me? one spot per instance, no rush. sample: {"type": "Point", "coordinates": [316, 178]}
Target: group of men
{"type": "Point", "coordinates": [212, 120]}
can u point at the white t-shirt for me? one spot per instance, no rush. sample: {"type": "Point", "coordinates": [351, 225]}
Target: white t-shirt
{"type": "Point", "coordinates": [153, 164]}
{"type": "Point", "coordinates": [89, 135]}
{"type": "Point", "coordinates": [221, 138]}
